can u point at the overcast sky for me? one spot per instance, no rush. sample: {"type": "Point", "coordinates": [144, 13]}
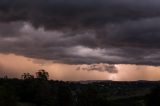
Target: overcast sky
{"type": "Point", "coordinates": [76, 32]}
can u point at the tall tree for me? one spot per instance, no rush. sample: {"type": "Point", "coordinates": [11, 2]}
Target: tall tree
{"type": "Point", "coordinates": [42, 74]}
{"type": "Point", "coordinates": [26, 76]}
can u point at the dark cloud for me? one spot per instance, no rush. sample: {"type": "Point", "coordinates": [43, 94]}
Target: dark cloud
{"type": "Point", "coordinates": [99, 67]}
{"type": "Point", "coordinates": [82, 31]}
{"type": "Point", "coordinates": [141, 33]}
{"type": "Point", "coordinates": [10, 29]}
{"type": "Point", "coordinates": [75, 14]}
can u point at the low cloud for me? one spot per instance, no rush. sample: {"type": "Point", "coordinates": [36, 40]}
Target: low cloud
{"type": "Point", "coordinates": [98, 67]}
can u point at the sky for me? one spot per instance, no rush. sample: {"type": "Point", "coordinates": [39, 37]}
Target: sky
{"type": "Point", "coordinates": [81, 39]}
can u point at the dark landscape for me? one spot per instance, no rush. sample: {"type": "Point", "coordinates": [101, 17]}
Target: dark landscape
{"type": "Point", "coordinates": [40, 91]}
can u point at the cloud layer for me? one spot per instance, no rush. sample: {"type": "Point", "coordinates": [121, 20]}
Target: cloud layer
{"type": "Point", "coordinates": [59, 14]}
{"type": "Point", "coordinates": [82, 31]}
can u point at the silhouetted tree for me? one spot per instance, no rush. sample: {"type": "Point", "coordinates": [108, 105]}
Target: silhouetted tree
{"type": "Point", "coordinates": [26, 76]}
{"type": "Point", "coordinates": [42, 74]}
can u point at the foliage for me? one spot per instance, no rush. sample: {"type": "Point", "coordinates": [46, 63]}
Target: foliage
{"type": "Point", "coordinates": [27, 76]}
{"type": "Point", "coordinates": [42, 74]}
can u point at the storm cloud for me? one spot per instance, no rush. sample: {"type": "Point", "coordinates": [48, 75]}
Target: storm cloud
{"type": "Point", "coordinates": [60, 14]}
{"type": "Point", "coordinates": [82, 31]}
{"type": "Point", "coordinates": [99, 67]}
